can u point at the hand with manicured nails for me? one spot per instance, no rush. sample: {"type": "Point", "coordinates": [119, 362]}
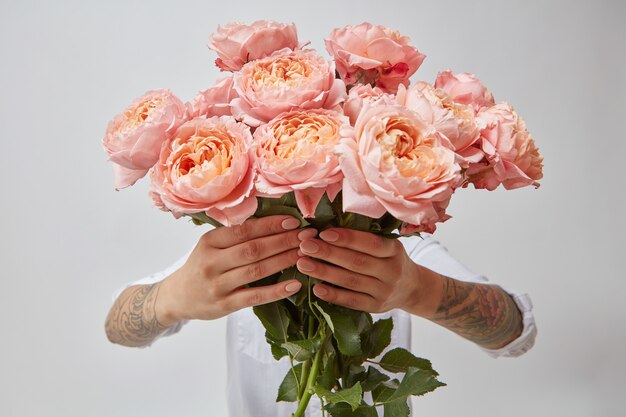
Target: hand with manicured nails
{"type": "Point", "coordinates": [371, 273]}
{"type": "Point", "coordinates": [212, 282]}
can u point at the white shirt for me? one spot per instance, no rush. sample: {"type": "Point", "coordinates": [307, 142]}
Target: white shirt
{"type": "Point", "coordinates": [248, 354]}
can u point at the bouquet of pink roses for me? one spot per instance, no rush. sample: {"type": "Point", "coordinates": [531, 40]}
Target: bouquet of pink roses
{"type": "Point", "coordinates": [341, 143]}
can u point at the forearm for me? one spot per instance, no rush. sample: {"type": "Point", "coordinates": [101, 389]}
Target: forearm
{"type": "Point", "coordinates": [482, 313]}
{"type": "Point", "coordinates": [135, 318]}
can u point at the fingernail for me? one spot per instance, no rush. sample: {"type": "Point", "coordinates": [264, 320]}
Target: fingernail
{"type": "Point", "coordinates": [307, 234]}
{"type": "Point", "coordinates": [290, 223]}
{"type": "Point", "coordinates": [293, 286]}
{"type": "Point", "coordinates": [305, 265]}
{"type": "Point", "coordinates": [321, 291]}
{"type": "Point", "coordinates": [309, 246]}
{"type": "Point", "coordinates": [329, 235]}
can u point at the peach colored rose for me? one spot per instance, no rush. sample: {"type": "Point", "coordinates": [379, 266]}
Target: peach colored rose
{"type": "Point", "coordinates": [361, 94]}
{"type": "Point", "coordinates": [215, 100]}
{"type": "Point", "coordinates": [207, 167]}
{"type": "Point", "coordinates": [373, 54]}
{"type": "Point", "coordinates": [455, 121]}
{"type": "Point", "coordinates": [237, 43]}
{"type": "Point", "coordinates": [396, 162]}
{"type": "Point", "coordinates": [511, 156]}
{"type": "Point", "coordinates": [133, 138]}
{"type": "Point", "coordinates": [286, 80]}
{"type": "Point", "coordinates": [296, 152]}
{"type": "Point", "coordinates": [465, 88]}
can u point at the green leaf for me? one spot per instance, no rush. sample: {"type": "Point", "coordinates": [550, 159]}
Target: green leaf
{"type": "Point", "coordinates": [328, 378]}
{"type": "Point", "coordinates": [352, 395]}
{"type": "Point", "coordinates": [397, 408]}
{"type": "Point", "coordinates": [360, 222]}
{"type": "Point", "coordinates": [378, 338]}
{"type": "Point", "coordinates": [384, 391]}
{"type": "Point", "coordinates": [373, 378]}
{"type": "Point", "coordinates": [345, 410]}
{"type": "Point", "coordinates": [399, 360]}
{"type": "Point", "coordinates": [272, 210]}
{"type": "Point", "coordinates": [302, 350]}
{"type": "Point", "coordinates": [344, 330]}
{"type": "Point", "coordinates": [201, 218]}
{"type": "Point", "coordinates": [288, 390]}
{"type": "Point", "coordinates": [277, 351]}
{"type": "Point", "coordinates": [356, 373]}
{"type": "Point", "coordinates": [275, 319]}
{"type": "Point", "coordinates": [416, 382]}
{"type": "Point", "coordinates": [324, 210]}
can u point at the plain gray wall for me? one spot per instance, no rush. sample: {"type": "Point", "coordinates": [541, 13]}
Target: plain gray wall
{"type": "Point", "coordinates": [69, 240]}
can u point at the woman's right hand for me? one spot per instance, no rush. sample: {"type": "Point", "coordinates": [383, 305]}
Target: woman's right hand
{"type": "Point", "coordinates": [211, 283]}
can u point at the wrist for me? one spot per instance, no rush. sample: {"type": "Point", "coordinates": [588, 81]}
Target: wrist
{"type": "Point", "coordinates": [426, 292]}
{"type": "Point", "coordinates": [165, 306]}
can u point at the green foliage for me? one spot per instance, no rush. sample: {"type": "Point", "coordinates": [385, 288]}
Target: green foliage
{"type": "Point", "coordinates": [288, 390]}
{"type": "Point", "coordinates": [351, 396]}
{"type": "Point", "coordinates": [400, 360]}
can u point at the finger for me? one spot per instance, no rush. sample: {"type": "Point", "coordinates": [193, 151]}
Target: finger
{"type": "Point", "coordinates": [248, 297]}
{"type": "Point", "coordinates": [360, 241]}
{"type": "Point", "coordinates": [340, 276]}
{"type": "Point", "coordinates": [346, 298]}
{"type": "Point", "coordinates": [346, 258]}
{"type": "Point", "coordinates": [225, 237]}
{"type": "Point", "coordinates": [255, 250]}
{"type": "Point", "coordinates": [246, 274]}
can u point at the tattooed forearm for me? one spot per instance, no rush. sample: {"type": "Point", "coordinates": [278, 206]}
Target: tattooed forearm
{"type": "Point", "coordinates": [132, 320]}
{"type": "Point", "coordinates": [482, 313]}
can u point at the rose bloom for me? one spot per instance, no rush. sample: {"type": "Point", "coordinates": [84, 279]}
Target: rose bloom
{"type": "Point", "coordinates": [296, 152]}
{"type": "Point", "coordinates": [237, 43]}
{"type": "Point", "coordinates": [207, 167]}
{"type": "Point", "coordinates": [215, 100]}
{"type": "Point", "coordinates": [395, 162]}
{"type": "Point", "coordinates": [464, 88]}
{"type": "Point", "coordinates": [369, 53]}
{"type": "Point", "coordinates": [455, 121]}
{"type": "Point", "coordinates": [511, 156]}
{"type": "Point", "coordinates": [287, 80]}
{"type": "Point", "coordinates": [362, 94]}
{"type": "Point", "coordinates": [133, 138]}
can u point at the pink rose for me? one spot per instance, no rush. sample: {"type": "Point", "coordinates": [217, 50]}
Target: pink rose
{"type": "Point", "coordinates": [371, 54]}
{"type": "Point", "coordinates": [455, 121]}
{"type": "Point", "coordinates": [296, 152]}
{"type": "Point", "coordinates": [511, 156]}
{"type": "Point", "coordinates": [465, 88]}
{"type": "Point", "coordinates": [360, 95]}
{"type": "Point", "coordinates": [133, 138]}
{"type": "Point", "coordinates": [287, 80]}
{"type": "Point", "coordinates": [396, 162]}
{"type": "Point", "coordinates": [237, 43]}
{"type": "Point", "coordinates": [207, 167]}
{"type": "Point", "coordinates": [215, 100]}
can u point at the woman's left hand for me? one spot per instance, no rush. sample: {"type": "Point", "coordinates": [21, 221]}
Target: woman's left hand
{"type": "Point", "coordinates": [372, 273]}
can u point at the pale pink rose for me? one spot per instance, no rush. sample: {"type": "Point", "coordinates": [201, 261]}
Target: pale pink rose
{"type": "Point", "coordinates": [395, 162]}
{"type": "Point", "coordinates": [511, 156]}
{"type": "Point", "coordinates": [238, 43]}
{"type": "Point", "coordinates": [215, 100]}
{"type": "Point", "coordinates": [362, 94]}
{"type": "Point", "coordinates": [207, 167]}
{"type": "Point", "coordinates": [465, 88]}
{"type": "Point", "coordinates": [373, 54]}
{"type": "Point", "coordinates": [455, 121]}
{"type": "Point", "coordinates": [286, 80]}
{"type": "Point", "coordinates": [133, 138]}
{"type": "Point", "coordinates": [296, 152]}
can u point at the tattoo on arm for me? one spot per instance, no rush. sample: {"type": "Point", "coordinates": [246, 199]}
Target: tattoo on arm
{"type": "Point", "coordinates": [132, 320]}
{"type": "Point", "coordinates": [482, 313]}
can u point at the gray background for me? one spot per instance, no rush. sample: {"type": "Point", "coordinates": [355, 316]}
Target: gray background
{"type": "Point", "coordinates": [69, 240]}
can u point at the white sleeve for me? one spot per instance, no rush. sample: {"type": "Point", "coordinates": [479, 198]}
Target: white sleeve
{"type": "Point", "coordinates": [430, 253]}
{"type": "Point", "coordinates": [151, 279]}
